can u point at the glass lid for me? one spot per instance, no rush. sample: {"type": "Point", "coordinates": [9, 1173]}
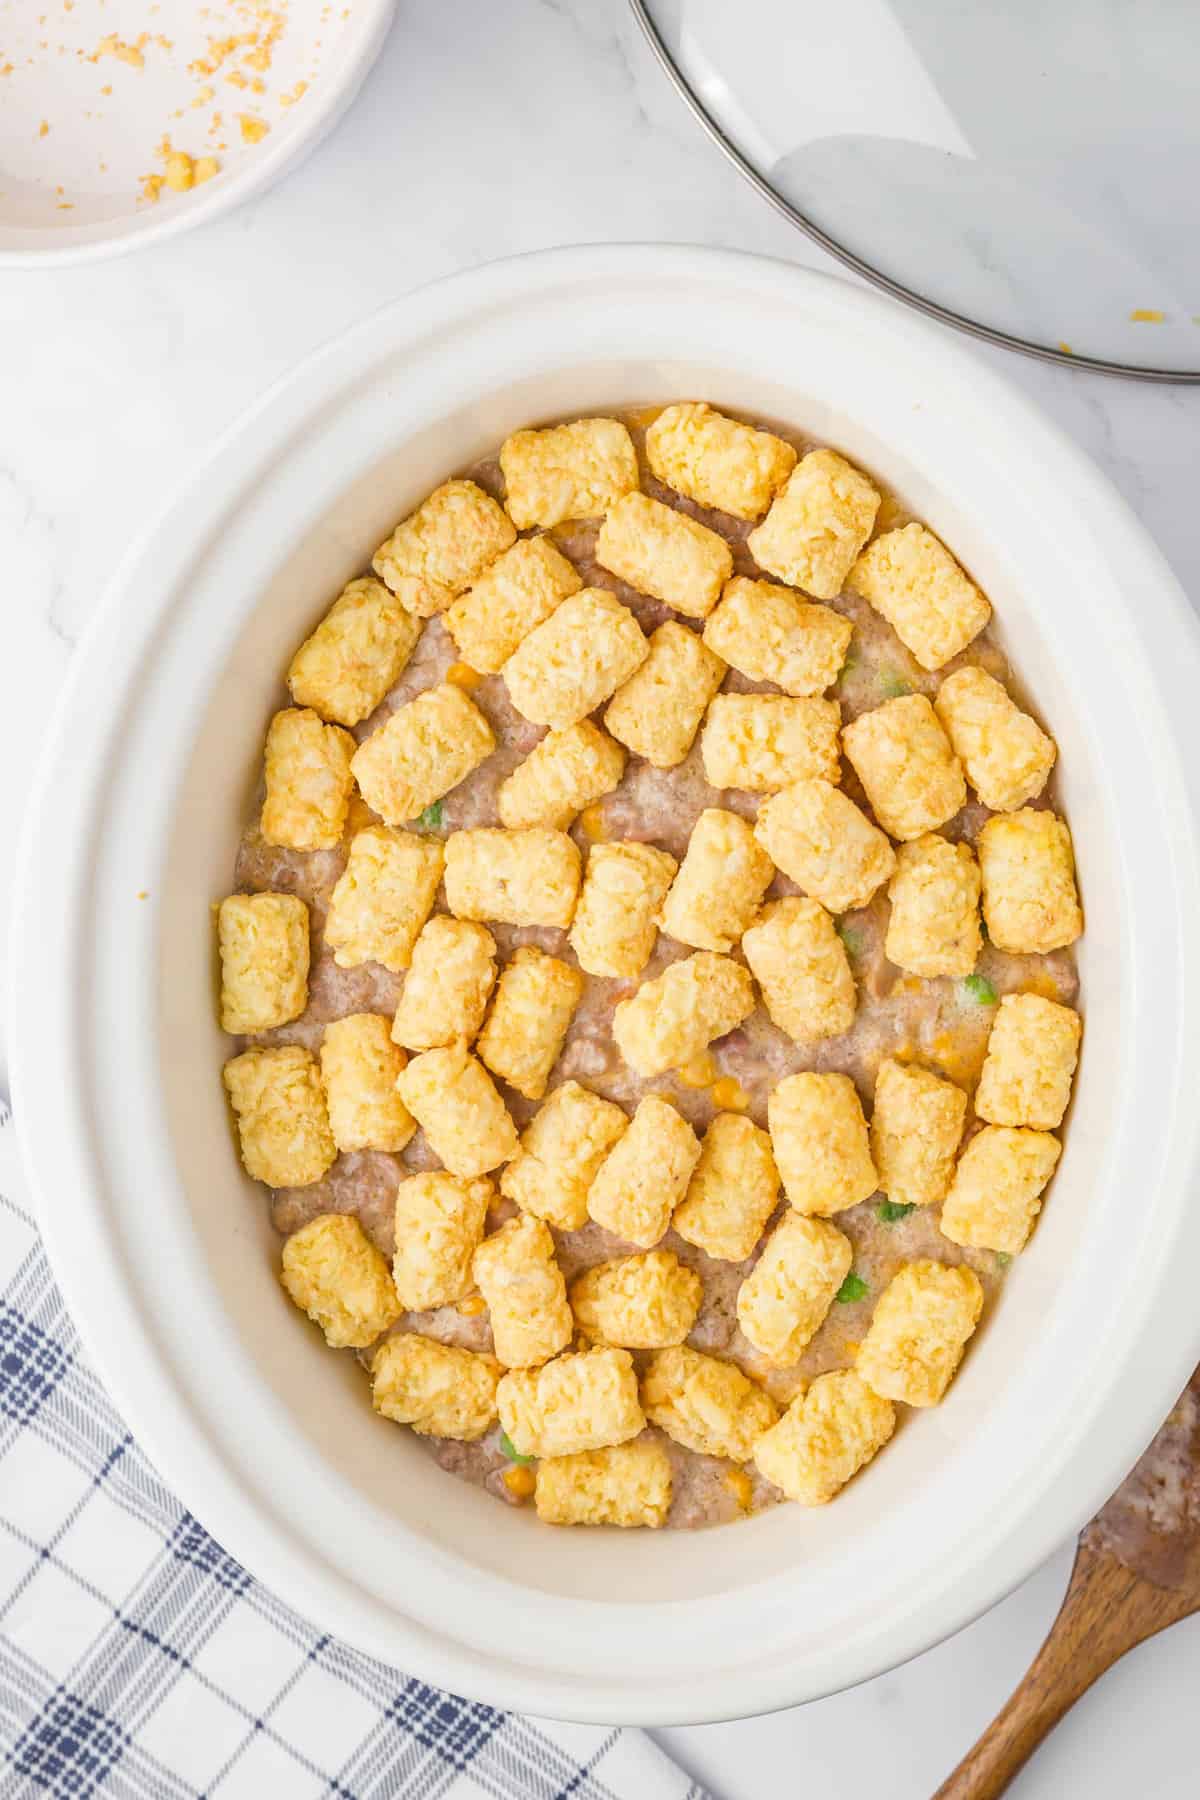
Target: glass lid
{"type": "Point", "coordinates": [1028, 170]}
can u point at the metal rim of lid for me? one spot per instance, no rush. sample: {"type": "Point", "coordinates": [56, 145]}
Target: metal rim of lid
{"type": "Point", "coordinates": [932, 309]}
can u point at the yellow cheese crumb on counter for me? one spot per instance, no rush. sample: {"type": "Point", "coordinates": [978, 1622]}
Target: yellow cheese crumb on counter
{"type": "Point", "coordinates": [125, 52]}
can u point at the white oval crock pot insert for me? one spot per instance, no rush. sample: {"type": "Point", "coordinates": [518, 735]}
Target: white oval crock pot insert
{"type": "Point", "coordinates": [164, 1249]}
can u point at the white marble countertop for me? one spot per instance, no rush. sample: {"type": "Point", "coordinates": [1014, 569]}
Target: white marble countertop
{"type": "Point", "coordinates": [487, 130]}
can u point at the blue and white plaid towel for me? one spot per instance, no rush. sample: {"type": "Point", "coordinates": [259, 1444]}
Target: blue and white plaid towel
{"type": "Point", "coordinates": [139, 1661]}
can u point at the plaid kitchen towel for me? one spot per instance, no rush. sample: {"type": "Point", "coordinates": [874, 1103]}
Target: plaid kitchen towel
{"type": "Point", "coordinates": [139, 1661]}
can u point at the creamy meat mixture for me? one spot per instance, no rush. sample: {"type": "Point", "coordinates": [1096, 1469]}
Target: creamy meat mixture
{"type": "Point", "coordinates": [1152, 1522]}
{"type": "Point", "coordinates": [942, 1023]}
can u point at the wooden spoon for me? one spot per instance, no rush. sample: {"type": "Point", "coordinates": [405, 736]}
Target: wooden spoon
{"type": "Point", "coordinates": [1137, 1570]}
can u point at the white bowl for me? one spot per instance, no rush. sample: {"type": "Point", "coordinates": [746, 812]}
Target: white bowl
{"type": "Point", "coordinates": [164, 1249]}
{"type": "Point", "coordinates": [74, 192]}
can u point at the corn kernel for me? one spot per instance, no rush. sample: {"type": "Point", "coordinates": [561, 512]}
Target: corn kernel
{"type": "Point", "coordinates": [463, 675]}
{"type": "Point", "coordinates": [740, 1486]}
{"type": "Point", "coordinates": [594, 827]}
{"type": "Point", "coordinates": [472, 1306]}
{"type": "Point", "coordinates": [960, 1057]}
{"type": "Point", "coordinates": [203, 169]}
{"type": "Point", "coordinates": [181, 171]}
{"type": "Point", "coordinates": [729, 1095]}
{"type": "Point", "coordinates": [519, 1481]}
{"type": "Point", "coordinates": [701, 1072]}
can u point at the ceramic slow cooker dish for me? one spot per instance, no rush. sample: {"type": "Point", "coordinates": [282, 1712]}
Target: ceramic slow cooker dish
{"type": "Point", "coordinates": [164, 1248]}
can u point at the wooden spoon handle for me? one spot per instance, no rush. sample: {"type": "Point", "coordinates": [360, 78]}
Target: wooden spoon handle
{"type": "Point", "coordinates": [1093, 1629]}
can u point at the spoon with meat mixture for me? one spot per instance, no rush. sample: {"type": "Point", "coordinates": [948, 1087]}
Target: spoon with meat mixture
{"type": "Point", "coordinates": [1137, 1570]}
